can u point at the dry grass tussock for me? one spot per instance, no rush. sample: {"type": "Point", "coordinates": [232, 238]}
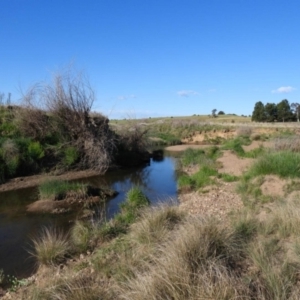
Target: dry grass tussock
{"type": "Point", "coordinates": [244, 131]}
{"type": "Point", "coordinates": [169, 255]}
{"type": "Point", "coordinates": [291, 143]}
{"type": "Point", "coordinates": [51, 246]}
{"type": "Point", "coordinates": [194, 264]}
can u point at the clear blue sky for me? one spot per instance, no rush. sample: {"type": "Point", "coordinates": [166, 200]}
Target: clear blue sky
{"type": "Point", "coordinates": [157, 58]}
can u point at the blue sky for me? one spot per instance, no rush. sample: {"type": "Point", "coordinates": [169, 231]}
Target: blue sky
{"type": "Point", "coordinates": [157, 58]}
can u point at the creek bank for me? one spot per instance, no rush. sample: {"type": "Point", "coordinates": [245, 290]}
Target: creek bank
{"type": "Point", "coordinates": [72, 201]}
{"type": "Point", "coordinates": [132, 160]}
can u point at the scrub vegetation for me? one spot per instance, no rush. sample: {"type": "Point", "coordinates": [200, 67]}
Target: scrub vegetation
{"type": "Point", "coordinates": [162, 251]}
{"type": "Point", "coordinates": [55, 129]}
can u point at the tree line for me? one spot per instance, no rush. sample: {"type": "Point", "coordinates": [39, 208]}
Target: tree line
{"type": "Point", "coordinates": [280, 112]}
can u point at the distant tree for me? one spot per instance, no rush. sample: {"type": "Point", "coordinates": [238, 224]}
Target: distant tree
{"type": "Point", "coordinates": [271, 112]}
{"type": "Point", "coordinates": [259, 113]}
{"type": "Point", "coordinates": [221, 112]}
{"type": "Point", "coordinates": [213, 113]}
{"type": "Point", "coordinates": [296, 109]}
{"type": "Point", "coordinates": [284, 111]}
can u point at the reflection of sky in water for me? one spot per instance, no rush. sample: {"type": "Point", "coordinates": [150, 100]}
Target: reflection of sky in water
{"type": "Point", "coordinates": [17, 227]}
{"type": "Point", "coordinates": [157, 181]}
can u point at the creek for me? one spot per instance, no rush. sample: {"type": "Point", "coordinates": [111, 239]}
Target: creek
{"type": "Point", "coordinates": [17, 227]}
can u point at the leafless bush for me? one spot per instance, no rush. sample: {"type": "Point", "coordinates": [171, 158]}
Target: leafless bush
{"type": "Point", "coordinates": [133, 137]}
{"type": "Point", "coordinates": [245, 131]}
{"type": "Point", "coordinates": [63, 107]}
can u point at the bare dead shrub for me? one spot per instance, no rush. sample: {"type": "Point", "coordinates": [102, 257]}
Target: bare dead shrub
{"type": "Point", "coordinates": [63, 107]}
{"type": "Point", "coordinates": [133, 138]}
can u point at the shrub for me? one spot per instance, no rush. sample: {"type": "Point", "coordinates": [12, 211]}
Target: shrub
{"type": "Point", "coordinates": [71, 155]}
{"type": "Point", "coordinates": [35, 151]}
{"type": "Point", "coordinates": [11, 156]}
{"type": "Point", "coordinates": [68, 101]}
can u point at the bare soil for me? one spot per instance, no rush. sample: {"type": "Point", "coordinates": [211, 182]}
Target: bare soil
{"type": "Point", "coordinates": [220, 199]}
{"type": "Point", "coordinates": [232, 164]}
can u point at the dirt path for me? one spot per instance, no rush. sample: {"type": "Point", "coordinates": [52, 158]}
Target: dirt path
{"type": "Point", "coordinates": [35, 180]}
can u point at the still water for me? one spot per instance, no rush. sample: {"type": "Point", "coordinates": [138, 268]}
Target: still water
{"type": "Point", "coordinates": [158, 181]}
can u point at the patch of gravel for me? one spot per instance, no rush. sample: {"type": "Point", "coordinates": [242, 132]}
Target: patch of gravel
{"type": "Point", "coordinates": [217, 201]}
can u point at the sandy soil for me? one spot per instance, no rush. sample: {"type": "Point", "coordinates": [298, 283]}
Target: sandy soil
{"type": "Point", "coordinates": [232, 164]}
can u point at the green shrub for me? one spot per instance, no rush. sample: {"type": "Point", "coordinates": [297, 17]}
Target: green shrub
{"type": "Point", "coordinates": [35, 151]}
{"type": "Point", "coordinates": [71, 155]}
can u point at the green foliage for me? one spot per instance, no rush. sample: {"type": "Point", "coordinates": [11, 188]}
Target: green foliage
{"type": "Point", "coordinates": [192, 157]}
{"type": "Point", "coordinates": [284, 111]}
{"type": "Point", "coordinates": [283, 163]}
{"type": "Point", "coordinates": [15, 283]}
{"type": "Point", "coordinates": [198, 180]}
{"type": "Point", "coordinates": [235, 145]}
{"type": "Point", "coordinates": [271, 112]}
{"type": "Point", "coordinates": [130, 210]}
{"type": "Point", "coordinates": [258, 114]}
{"type": "Point", "coordinates": [35, 151]}
{"type": "Point", "coordinates": [228, 177]}
{"type": "Point", "coordinates": [52, 189]}
{"type": "Point", "coordinates": [168, 138]}
{"type": "Point", "coordinates": [71, 155]}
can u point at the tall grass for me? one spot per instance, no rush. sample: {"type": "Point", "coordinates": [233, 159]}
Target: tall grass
{"type": "Point", "coordinates": [53, 188]}
{"type": "Point", "coordinates": [51, 246]}
{"type": "Point", "coordinates": [198, 180]}
{"type": "Point", "coordinates": [285, 164]}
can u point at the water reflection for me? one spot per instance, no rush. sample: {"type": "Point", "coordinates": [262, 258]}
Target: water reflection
{"type": "Point", "coordinates": [16, 226]}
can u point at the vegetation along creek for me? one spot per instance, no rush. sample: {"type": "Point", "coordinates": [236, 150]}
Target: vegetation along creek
{"type": "Point", "coordinates": [18, 227]}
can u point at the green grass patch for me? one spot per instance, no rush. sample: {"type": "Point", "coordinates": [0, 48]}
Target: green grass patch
{"type": "Point", "coordinates": [228, 177]}
{"type": "Point", "coordinates": [285, 164]}
{"type": "Point", "coordinates": [53, 189]}
{"type": "Point", "coordinates": [130, 210]}
{"type": "Point", "coordinates": [236, 144]}
{"type": "Point", "coordinates": [198, 180]}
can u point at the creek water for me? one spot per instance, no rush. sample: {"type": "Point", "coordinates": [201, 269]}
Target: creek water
{"type": "Point", "coordinates": [17, 227]}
